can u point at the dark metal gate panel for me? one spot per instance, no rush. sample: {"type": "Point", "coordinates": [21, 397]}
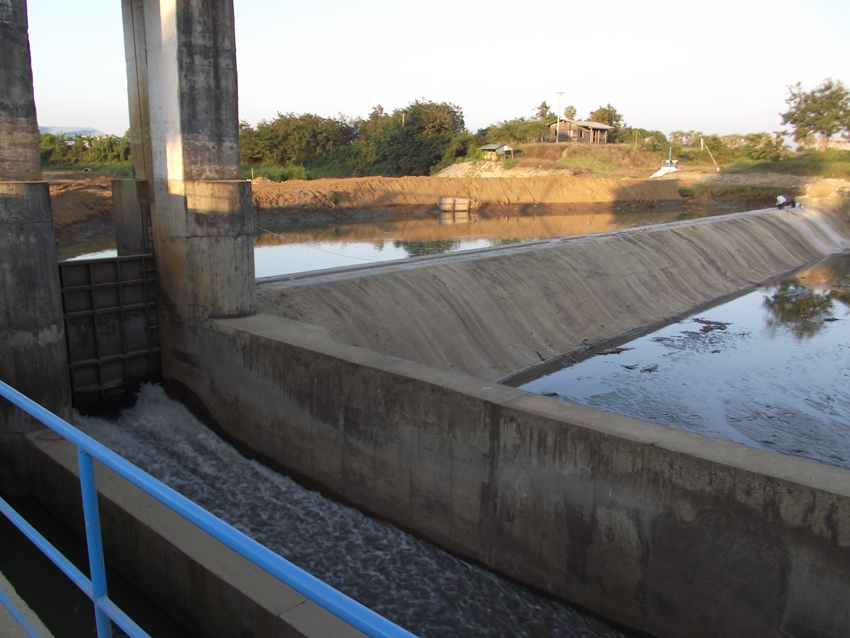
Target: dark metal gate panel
{"type": "Point", "coordinates": [111, 328]}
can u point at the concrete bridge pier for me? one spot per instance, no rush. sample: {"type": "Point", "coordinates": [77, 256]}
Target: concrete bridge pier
{"type": "Point", "coordinates": [33, 357]}
{"type": "Point", "coordinates": [182, 89]}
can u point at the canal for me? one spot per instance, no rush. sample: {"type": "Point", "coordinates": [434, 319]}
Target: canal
{"type": "Point", "coordinates": [283, 247]}
{"type": "Point", "coordinates": [770, 369]}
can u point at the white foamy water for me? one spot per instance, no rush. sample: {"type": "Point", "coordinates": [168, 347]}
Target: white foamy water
{"type": "Point", "coordinates": [407, 580]}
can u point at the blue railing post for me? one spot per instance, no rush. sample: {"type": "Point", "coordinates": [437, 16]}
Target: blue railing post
{"type": "Point", "coordinates": [94, 541]}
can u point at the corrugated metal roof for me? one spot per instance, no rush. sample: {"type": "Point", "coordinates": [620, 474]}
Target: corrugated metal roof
{"type": "Point", "coordinates": [490, 147]}
{"type": "Point", "coordinates": [596, 125]}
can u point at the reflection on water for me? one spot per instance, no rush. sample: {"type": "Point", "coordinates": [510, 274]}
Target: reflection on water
{"type": "Point", "coordinates": [401, 577]}
{"type": "Point", "coordinates": [289, 249]}
{"type": "Point", "coordinates": [769, 369]}
{"type": "Point", "coordinates": [450, 218]}
{"type": "Point", "coordinates": [798, 308]}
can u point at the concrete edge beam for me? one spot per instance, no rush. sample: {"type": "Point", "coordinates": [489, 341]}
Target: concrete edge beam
{"type": "Point", "coordinates": [833, 480]}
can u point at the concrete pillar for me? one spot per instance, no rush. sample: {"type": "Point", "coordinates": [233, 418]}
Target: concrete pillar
{"type": "Point", "coordinates": [131, 214]}
{"type": "Point", "coordinates": [131, 199]}
{"type": "Point", "coordinates": [19, 152]}
{"type": "Point", "coordinates": [33, 355]}
{"type": "Point", "coordinates": [182, 89]}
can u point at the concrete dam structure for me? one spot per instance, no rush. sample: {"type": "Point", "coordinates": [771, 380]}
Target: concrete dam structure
{"type": "Point", "coordinates": [495, 312]}
{"type": "Point", "coordinates": [379, 384]}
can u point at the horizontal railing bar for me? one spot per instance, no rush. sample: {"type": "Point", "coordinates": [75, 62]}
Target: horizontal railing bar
{"type": "Point", "coordinates": [342, 606]}
{"type": "Point", "coordinates": [47, 548]}
{"type": "Point", "coordinates": [18, 616]}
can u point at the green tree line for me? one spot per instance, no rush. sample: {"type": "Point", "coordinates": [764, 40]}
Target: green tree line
{"type": "Point", "coordinates": [61, 149]}
{"type": "Point", "coordinates": [425, 136]}
{"type": "Point", "coordinates": [414, 140]}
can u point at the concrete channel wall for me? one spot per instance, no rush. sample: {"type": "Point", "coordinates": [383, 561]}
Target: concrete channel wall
{"type": "Point", "coordinates": [666, 532]}
{"type": "Point", "coordinates": [663, 531]}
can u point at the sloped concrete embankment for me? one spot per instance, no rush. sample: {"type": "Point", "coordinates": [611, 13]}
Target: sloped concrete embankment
{"type": "Point", "coordinates": [666, 532]}
{"type": "Point", "coordinates": [389, 192]}
{"type": "Point", "coordinates": [494, 313]}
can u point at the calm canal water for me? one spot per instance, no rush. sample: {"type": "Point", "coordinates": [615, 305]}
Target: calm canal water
{"type": "Point", "coordinates": [411, 582]}
{"type": "Point", "coordinates": [769, 369]}
{"type": "Point", "coordinates": [289, 248]}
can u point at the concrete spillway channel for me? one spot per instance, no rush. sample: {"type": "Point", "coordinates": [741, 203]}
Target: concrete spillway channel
{"type": "Point", "coordinates": [379, 385]}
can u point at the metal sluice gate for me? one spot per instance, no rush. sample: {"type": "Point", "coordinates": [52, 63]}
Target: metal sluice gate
{"type": "Point", "coordinates": [111, 328]}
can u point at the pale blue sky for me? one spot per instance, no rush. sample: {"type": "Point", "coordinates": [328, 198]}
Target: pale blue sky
{"type": "Point", "coordinates": [719, 67]}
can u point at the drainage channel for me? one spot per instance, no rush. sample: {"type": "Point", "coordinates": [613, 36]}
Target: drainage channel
{"type": "Point", "coordinates": [403, 578]}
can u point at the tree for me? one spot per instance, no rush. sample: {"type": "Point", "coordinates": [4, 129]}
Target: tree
{"type": "Point", "coordinates": [762, 146]}
{"type": "Point", "coordinates": [418, 137]}
{"type": "Point", "coordinates": [543, 111]}
{"type": "Point", "coordinates": [570, 112]}
{"type": "Point", "coordinates": [824, 111]}
{"type": "Point", "coordinates": [293, 140]}
{"type": "Point", "coordinates": [517, 131]}
{"type": "Point", "coordinates": [685, 138]}
{"type": "Point", "coordinates": [609, 115]}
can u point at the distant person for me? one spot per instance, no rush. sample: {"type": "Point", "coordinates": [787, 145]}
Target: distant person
{"type": "Point", "coordinates": [781, 201]}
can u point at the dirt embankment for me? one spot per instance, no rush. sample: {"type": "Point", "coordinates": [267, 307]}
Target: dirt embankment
{"type": "Point", "coordinates": [81, 204]}
{"type": "Point", "coordinates": [384, 192]}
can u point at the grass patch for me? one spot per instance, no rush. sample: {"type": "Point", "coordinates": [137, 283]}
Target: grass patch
{"type": "Point", "coordinates": [124, 169]}
{"type": "Point", "coordinates": [835, 164]}
{"type": "Point", "coordinates": [603, 159]}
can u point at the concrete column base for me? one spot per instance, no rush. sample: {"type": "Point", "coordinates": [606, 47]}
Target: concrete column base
{"type": "Point", "coordinates": [204, 247]}
{"type": "Point", "coordinates": [33, 354]}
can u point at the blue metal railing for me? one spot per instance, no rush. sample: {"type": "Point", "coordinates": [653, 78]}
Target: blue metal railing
{"type": "Point", "coordinates": [345, 608]}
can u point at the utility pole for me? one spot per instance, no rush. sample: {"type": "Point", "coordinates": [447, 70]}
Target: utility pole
{"type": "Point", "coordinates": [558, 114]}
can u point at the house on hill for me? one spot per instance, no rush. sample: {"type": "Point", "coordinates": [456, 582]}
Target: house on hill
{"type": "Point", "coordinates": [495, 151]}
{"type": "Point", "coordinates": [575, 131]}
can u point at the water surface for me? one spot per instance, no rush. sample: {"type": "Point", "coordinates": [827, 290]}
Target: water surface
{"type": "Point", "coordinates": [769, 369]}
{"type": "Point", "coordinates": [285, 247]}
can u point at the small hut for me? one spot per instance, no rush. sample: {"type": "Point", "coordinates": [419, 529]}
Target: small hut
{"type": "Point", "coordinates": [496, 151]}
{"type": "Point", "coordinates": [576, 131]}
